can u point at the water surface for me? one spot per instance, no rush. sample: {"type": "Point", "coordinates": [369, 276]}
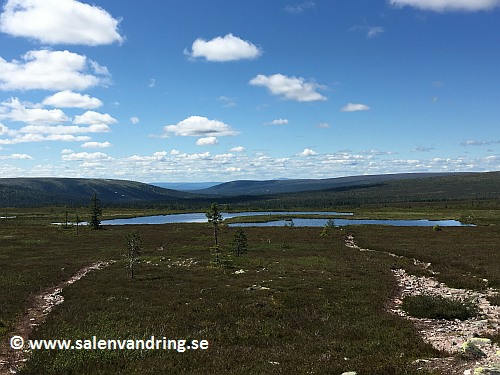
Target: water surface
{"type": "Point", "coordinates": [297, 222]}
{"type": "Point", "coordinates": [199, 217]}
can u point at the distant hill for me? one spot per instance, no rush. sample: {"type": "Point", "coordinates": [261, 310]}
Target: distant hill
{"type": "Point", "coordinates": [273, 194]}
{"type": "Point", "coordinates": [25, 192]}
{"type": "Point", "coordinates": [185, 186]}
{"type": "Point", "coordinates": [436, 188]}
{"type": "Point", "coordinates": [269, 187]}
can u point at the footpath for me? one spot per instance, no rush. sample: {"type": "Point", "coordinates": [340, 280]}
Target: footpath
{"type": "Point", "coordinates": [468, 351]}
{"type": "Point", "coordinates": [12, 360]}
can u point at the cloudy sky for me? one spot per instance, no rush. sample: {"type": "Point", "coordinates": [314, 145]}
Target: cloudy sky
{"type": "Point", "coordinates": [196, 90]}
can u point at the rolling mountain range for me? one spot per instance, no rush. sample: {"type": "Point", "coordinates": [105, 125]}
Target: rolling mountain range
{"type": "Point", "coordinates": [252, 187]}
{"type": "Point", "coordinates": [25, 192]}
{"type": "Point", "coordinates": [30, 192]}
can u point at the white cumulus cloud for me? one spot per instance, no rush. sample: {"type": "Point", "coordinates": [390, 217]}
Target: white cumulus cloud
{"type": "Point", "coordinates": [308, 152]}
{"type": "Point", "coordinates": [292, 88]}
{"type": "Point", "coordinates": [48, 70]}
{"type": "Point", "coordinates": [238, 149]}
{"type": "Point", "coordinates": [197, 126]}
{"type": "Point", "coordinates": [352, 107]}
{"type": "Point", "coordinates": [14, 110]}
{"type": "Point", "coordinates": [43, 132]}
{"type": "Point", "coordinates": [448, 5]}
{"type": "Point", "coordinates": [226, 48]}
{"type": "Point", "coordinates": [96, 145]}
{"type": "Point", "coordinates": [70, 99]}
{"type": "Point", "coordinates": [280, 121]}
{"type": "Point", "coordinates": [61, 129]}
{"type": "Point", "coordinates": [86, 156]}
{"type": "Point", "coordinates": [41, 137]}
{"type": "Point", "coordinates": [94, 118]}
{"type": "Point", "coordinates": [207, 141]}
{"type": "Point", "coordinates": [59, 21]}
{"type": "Point", "coordinates": [16, 157]}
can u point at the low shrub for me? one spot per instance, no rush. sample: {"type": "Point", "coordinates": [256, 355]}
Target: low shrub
{"type": "Point", "coordinates": [495, 299]}
{"type": "Point", "coordinates": [438, 307]}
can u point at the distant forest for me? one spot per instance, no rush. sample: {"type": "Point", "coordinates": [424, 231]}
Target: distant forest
{"type": "Point", "coordinates": [119, 193]}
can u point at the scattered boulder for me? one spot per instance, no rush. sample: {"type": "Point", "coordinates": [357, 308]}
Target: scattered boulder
{"type": "Point", "coordinates": [256, 287]}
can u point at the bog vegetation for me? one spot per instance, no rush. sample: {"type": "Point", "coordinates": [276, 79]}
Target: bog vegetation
{"type": "Point", "coordinates": [439, 307]}
{"type": "Point", "coordinates": [280, 299]}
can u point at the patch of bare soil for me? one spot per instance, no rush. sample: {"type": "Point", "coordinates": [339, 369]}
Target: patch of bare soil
{"type": "Point", "coordinates": [468, 351]}
{"type": "Point", "coordinates": [42, 304]}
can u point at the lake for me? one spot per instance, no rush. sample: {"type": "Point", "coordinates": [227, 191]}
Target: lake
{"type": "Point", "coordinates": [199, 217]}
{"type": "Point", "coordinates": [343, 222]}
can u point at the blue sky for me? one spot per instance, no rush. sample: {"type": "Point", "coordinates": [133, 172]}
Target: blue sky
{"type": "Point", "coordinates": [195, 90]}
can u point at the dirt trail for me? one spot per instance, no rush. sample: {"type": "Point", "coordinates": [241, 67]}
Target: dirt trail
{"type": "Point", "coordinates": [444, 335]}
{"type": "Point", "coordinates": [43, 303]}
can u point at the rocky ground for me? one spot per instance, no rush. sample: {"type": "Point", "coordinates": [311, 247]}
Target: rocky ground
{"type": "Point", "coordinates": [468, 351]}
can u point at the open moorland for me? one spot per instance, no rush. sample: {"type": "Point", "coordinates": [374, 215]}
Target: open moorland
{"type": "Point", "coordinates": [299, 301]}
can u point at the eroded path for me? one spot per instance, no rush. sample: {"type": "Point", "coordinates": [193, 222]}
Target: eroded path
{"type": "Point", "coordinates": [450, 336]}
{"type": "Point", "coordinates": [43, 303]}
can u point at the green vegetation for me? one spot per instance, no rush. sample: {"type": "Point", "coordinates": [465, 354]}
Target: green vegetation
{"type": "Point", "coordinates": [240, 243]}
{"type": "Point", "coordinates": [464, 257]}
{"type": "Point", "coordinates": [328, 228]}
{"type": "Point", "coordinates": [495, 300]}
{"type": "Point", "coordinates": [95, 212]}
{"type": "Point", "coordinates": [472, 197]}
{"type": "Point", "coordinates": [215, 218]}
{"type": "Point", "coordinates": [325, 302]}
{"type": "Point", "coordinates": [297, 302]}
{"type": "Point", "coordinates": [252, 187]}
{"type": "Point", "coordinates": [438, 307]}
{"type": "Point", "coordinates": [42, 192]}
{"type": "Point", "coordinates": [134, 247]}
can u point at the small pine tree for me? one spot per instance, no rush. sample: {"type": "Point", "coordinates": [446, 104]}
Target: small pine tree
{"type": "Point", "coordinates": [134, 246]}
{"type": "Point", "coordinates": [330, 224]}
{"type": "Point", "coordinates": [240, 243]}
{"type": "Point", "coordinates": [214, 217]}
{"type": "Point", "coordinates": [95, 212]}
{"type": "Point", "coordinates": [216, 256]}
